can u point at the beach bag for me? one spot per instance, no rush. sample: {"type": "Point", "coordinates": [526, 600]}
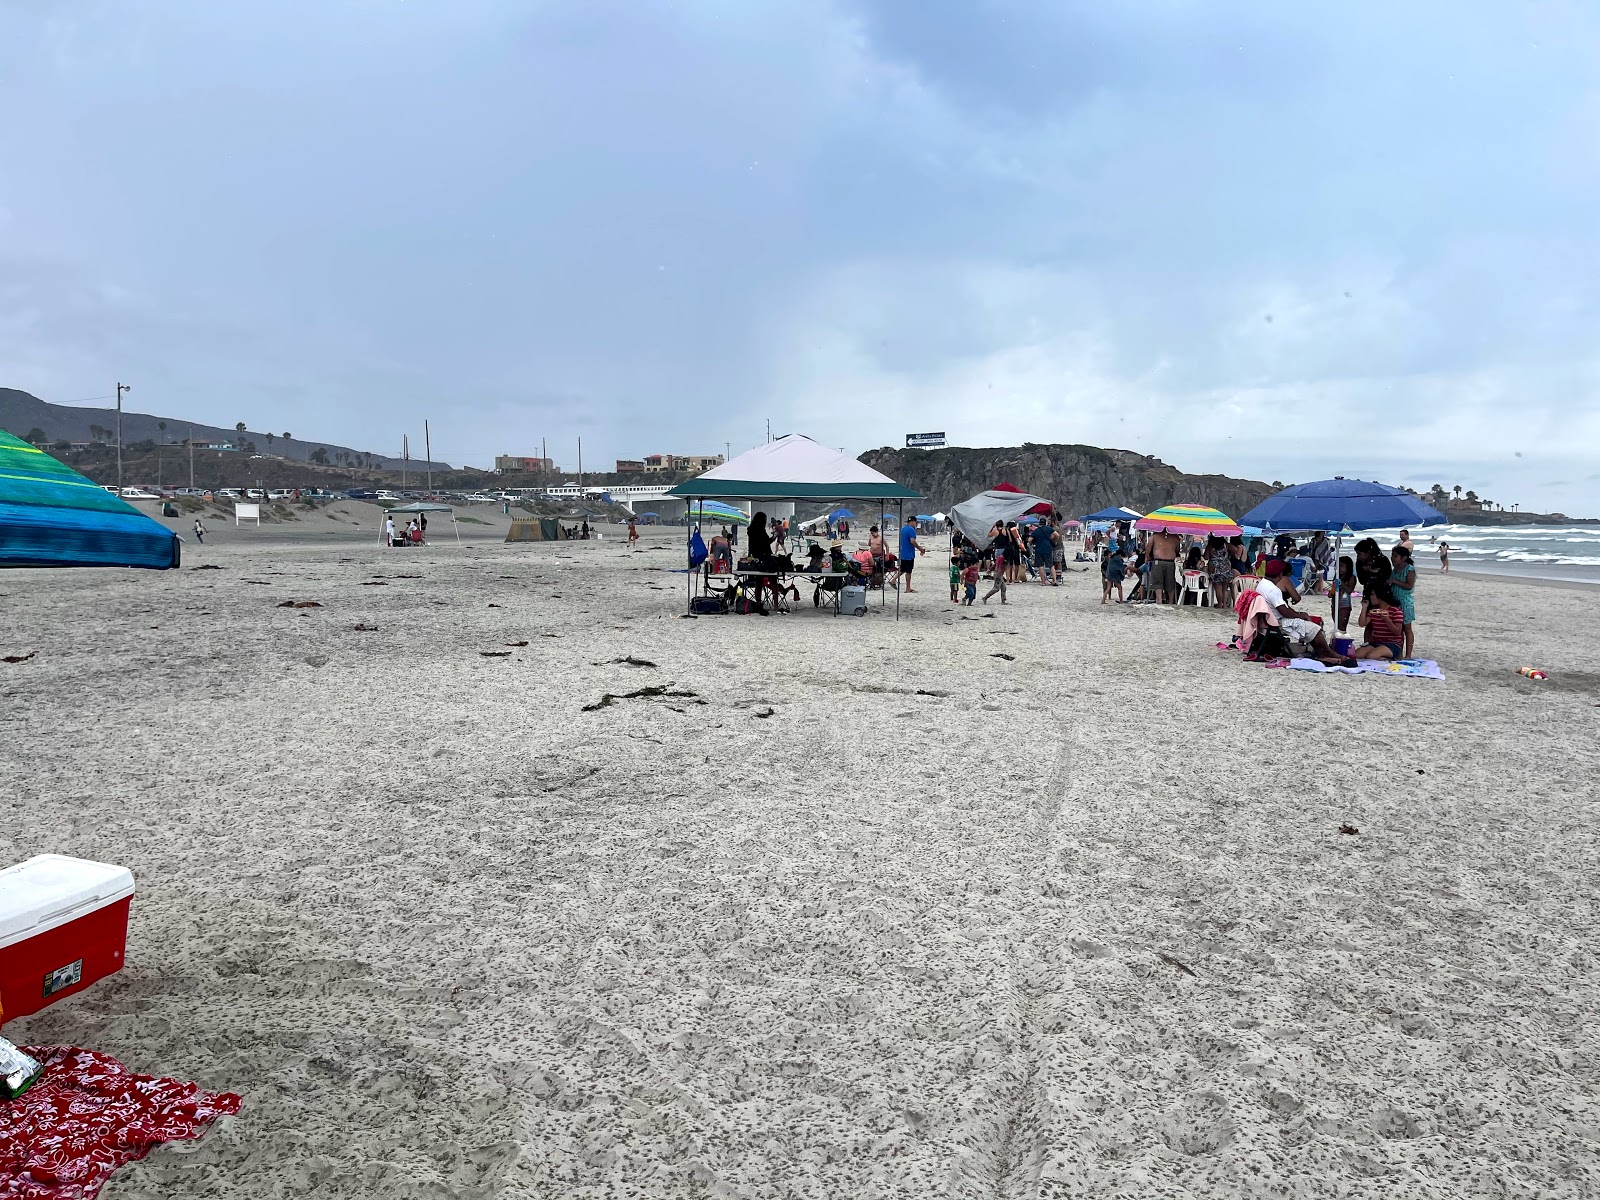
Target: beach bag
{"type": "Point", "coordinates": [707, 606]}
{"type": "Point", "coordinates": [749, 607]}
{"type": "Point", "coordinates": [697, 550]}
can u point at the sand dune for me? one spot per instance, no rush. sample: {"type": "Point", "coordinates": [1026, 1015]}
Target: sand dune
{"type": "Point", "coordinates": [1080, 923]}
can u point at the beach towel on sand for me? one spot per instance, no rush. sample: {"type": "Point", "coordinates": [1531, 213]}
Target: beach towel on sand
{"type": "Point", "coordinates": [89, 1115]}
{"type": "Point", "coordinates": [1411, 668]}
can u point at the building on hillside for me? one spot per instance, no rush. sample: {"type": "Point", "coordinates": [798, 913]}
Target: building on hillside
{"type": "Point", "coordinates": [658, 463]}
{"type": "Point", "coordinates": [521, 464]}
{"type": "Point", "coordinates": [629, 466]}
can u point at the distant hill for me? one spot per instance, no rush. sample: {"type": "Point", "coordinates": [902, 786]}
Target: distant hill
{"type": "Point", "coordinates": [21, 414]}
{"type": "Point", "coordinates": [1078, 479]}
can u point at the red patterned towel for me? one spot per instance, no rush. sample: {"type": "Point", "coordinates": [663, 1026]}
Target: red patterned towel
{"type": "Point", "coordinates": [87, 1115]}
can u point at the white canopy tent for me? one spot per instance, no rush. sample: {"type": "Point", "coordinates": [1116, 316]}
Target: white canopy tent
{"type": "Point", "coordinates": [795, 468]}
{"type": "Point", "coordinates": [417, 507]}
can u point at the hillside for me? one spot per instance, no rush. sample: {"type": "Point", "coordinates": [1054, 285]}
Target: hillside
{"type": "Point", "coordinates": [22, 413]}
{"type": "Point", "coordinates": [1079, 479]}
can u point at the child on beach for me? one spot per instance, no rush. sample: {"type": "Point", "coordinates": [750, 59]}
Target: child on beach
{"type": "Point", "coordinates": [955, 578]}
{"type": "Point", "coordinates": [1384, 622]}
{"type": "Point", "coordinates": [1112, 568]}
{"type": "Point", "coordinates": [1347, 590]}
{"type": "Point", "coordinates": [1403, 583]}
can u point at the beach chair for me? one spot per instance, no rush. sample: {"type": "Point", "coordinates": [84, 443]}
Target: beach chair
{"type": "Point", "coordinates": [1198, 585]}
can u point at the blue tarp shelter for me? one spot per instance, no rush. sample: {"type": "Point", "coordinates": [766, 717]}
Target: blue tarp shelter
{"type": "Point", "coordinates": [1113, 514]}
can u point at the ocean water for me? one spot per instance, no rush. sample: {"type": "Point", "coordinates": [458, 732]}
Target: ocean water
{"type": "Point", "coordinates": [1569, 552]}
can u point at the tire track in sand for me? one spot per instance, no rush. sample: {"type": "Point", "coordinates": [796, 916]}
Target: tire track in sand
{"type": "Point", "coordinates": [1015, 1164]}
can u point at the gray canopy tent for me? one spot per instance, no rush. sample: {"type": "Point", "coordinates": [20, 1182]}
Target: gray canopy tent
{"type": "Point", "coordinates": [792, 468]}
{"type": "Point", "coordinates": [976, 516]}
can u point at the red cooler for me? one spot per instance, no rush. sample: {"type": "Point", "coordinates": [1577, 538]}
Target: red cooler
{"type": "Point", "coordinates": [63, 925]}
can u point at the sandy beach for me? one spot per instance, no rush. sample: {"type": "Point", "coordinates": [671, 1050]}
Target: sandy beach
{"type": "Point", "coordinates": [1045, 900]}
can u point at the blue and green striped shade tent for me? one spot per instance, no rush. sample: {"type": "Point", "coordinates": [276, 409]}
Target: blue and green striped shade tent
{"type": "Point", "coordinates": [717, 511]}
{"type": "Point", "coordinates": [50, 516]}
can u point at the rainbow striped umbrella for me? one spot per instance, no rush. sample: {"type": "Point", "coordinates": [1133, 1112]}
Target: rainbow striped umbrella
{"type": "Point", "coordinates": [1195, 519]}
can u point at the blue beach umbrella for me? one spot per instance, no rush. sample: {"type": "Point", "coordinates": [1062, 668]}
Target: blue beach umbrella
{"type": "Point", "coordinates": [1340, 505]}
{"type": "Point", "coordinates": [1334, 505]}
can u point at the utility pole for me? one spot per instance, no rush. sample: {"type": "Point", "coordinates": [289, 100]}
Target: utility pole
{"type": "Point", "coordinates": [727, 451]}
{"type": "Point", "coordinates": [544, 459]}
{"type": "Point", "coordinates": [427, 449]}
{"type": "Point", "coordinates": [580, 462]}
{"type": "Point", "coordinates": [191, 458]}
{"type": "Point", "coordinates": [121, 387]}
{"type": "Point", "coordinates": [405, 457]}
{"type": "Point", "coordinates": [769, 429]}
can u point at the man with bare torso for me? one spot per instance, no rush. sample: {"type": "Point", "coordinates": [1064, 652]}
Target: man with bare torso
{"type": "Point", "coordinates": [1163, 549]}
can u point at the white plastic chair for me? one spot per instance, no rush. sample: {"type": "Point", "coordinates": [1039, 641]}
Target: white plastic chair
{"type": "Point", "coordinates": [1198, 585]}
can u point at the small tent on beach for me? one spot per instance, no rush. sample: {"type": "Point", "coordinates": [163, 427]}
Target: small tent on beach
{"type": "Point", "coordinates": [50, 516]}
{"type": "Point", "coordinates": [535, 529]}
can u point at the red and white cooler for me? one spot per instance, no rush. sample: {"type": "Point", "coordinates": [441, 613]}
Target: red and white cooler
{"type": "Point", "coordinates": [63, 925]}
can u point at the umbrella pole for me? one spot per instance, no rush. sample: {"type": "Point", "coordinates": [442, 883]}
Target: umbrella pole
{"type": "Point", "coordinates": [1338, 541]}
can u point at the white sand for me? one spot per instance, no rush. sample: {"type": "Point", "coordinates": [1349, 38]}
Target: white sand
{"type": "Point", "coordinates": [452, 936]}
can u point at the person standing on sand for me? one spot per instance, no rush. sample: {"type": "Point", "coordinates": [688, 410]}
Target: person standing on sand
{"type": "Point", "coordinates": [199, 531]}
{"type": "Point", "coordinates": [996, 550]}
{"type": "Point", "coordinates": [1164, 566]}
{"type": "Point", "coordinates": [633, 533]}
{"type": "Point", "coordinates": [1405, 540]}
{"type": "Point", "coordinates": [909, 549]}
{"type": "Point", "coordinates": [1403, 583]}
{"type": "Point", "coordinates": [1044, 552]}
{"type": "Point", "coordinates": [1444, 558]}
{"type": "Point", "coordinates": [388, 531]}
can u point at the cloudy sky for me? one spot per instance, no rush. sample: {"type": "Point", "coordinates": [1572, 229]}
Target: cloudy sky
{"type": "Point", "coordinates": [1278, 240]}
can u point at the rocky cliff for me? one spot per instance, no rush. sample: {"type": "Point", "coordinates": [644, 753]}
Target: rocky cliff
{"type": "Point", "coordinates": [1079, 479]}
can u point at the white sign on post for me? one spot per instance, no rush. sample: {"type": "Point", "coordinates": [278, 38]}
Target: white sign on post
{"type": "Point", "coordinates": [247, 512]}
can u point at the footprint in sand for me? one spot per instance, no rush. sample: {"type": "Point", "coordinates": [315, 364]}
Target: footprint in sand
{"type": "Point", "coordinates": [1202, 1124]}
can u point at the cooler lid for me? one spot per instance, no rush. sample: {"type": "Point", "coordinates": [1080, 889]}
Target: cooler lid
{"type": "Point", "coordinates": [51, 889]}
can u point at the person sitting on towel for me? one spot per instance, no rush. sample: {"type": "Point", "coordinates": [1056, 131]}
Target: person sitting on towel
{"type": "Point", "coordinates": [1384, 621]}
{"type": "Point", "coordinates": [1300, 628]}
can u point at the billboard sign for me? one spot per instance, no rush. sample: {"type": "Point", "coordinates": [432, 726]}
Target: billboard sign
{"type": "Point", "coordinates": [923, 441]}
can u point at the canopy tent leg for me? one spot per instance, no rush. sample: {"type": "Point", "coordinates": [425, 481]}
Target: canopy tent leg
{"type": "Point", "coordinates": [900, 510]}
{"type": "Point", "coordinates": [688, 555]}
{"type": "Point", "coordinates": [456, 526]}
